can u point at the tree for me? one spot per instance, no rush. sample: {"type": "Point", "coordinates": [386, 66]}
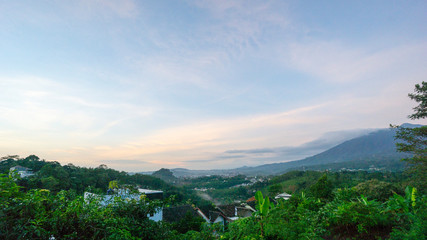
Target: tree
{"type": "Point", "coordinates": [322, 189]}
{"type": "Point", "coordinates": [375, 189]}
{"type": "Point", "coordinates": [419, 96]}
{"type": "Point", "coordinates": [414, 140]}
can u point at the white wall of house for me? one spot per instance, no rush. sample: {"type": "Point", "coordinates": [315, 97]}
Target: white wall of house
{"type": "Point", "coordinates": [158, 215]}
{"type": "Point", "coordinates": [219, 219]}
{"type": "Point", "coordinates": [24, 174]}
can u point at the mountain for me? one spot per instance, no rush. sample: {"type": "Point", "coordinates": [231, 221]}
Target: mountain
{"type": "Point", "coordinates": [376, 150]}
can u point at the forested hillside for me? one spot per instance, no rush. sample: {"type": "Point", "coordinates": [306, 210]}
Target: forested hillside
{"type": "Point", "coordinates": [55, 177]}
{"type": "Point", "coordinates": [324, 205]}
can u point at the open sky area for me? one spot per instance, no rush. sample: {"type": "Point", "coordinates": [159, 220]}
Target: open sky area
{"type": "Point", "coordinates": [141, 85]}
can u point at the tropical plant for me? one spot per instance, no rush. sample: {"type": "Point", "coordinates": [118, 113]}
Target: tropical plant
{"type": "Point", "coordinates": [263, 207]}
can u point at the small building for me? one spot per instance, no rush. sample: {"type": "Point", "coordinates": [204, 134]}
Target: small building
{"type": "Point", "coordinates": [284, 196]}
{"type": "Point", "coordinates": [22, 171]}
{"type": "Point", "coordinates": [235, 211]}
{"type": "Point", "coordinates": [218, 217]}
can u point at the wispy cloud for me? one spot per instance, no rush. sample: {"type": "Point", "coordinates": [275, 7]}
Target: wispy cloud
{"type": "Point", "coordinates": [333, 61]}
{"type": "Point", "coordinates": [243, 24]}
{"type": "Point", "coordinates": [204, 53]}
{"type": "Point", "coordinates": [100, 8]}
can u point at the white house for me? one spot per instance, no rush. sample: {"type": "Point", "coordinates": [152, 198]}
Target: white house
{"type": "Point", "coordinates": [22, 171]}
{"type": "Point", "coordinates": [284, 195]}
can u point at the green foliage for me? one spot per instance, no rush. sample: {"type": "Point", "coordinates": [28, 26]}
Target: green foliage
{"type": "Point", "coordinates": [419, 96]}
{"type": "Point", "coordinates": [263, 206]}
{"type": "Point", "coordinates": [410, 214]}
{"type": "Point", "coordinates": [39, 214]}
{"type": "Point", "coordinates": [414, 140]}
{"type": "Point", "coordinates": [216, 182]}
{"type": "Point", "coordinates": [358, 218]}
{"type": "Point", "coordinates": [275, 189]}
{"type": "Point", "coordinates": [245, 228]}
{"type": "Point", "coordinates": [344, 215]}
{"type": "Point", "coordinates": [229, 195]}
{"type": "Point", "coordinates": [113, 185]}
{"type": "Point", "coordinates": [165, 175]}
{"type": "Point", "coordinates": [208, 232]}
{"type": "Point", "coordinates": [188, 223]}
{"type": "Point", "coordinates": [340, 205]}
{"type": "Point", "coordinates": [375, 189]}
{"type": "Point", "coordinates": [54, 177]}
{"type": "Point", "coordinates": [298, 181]}
{"type": "Point", "coordinates": [322, 189]}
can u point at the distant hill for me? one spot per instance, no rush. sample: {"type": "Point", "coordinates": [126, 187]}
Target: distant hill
{"type": "Point", "coordinates": [164, 174]}
{"type": "Point", "coordinates": [375, 151]}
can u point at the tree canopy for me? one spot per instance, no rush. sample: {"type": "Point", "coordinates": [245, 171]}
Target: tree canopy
{"type": "Point", "coordinates": [414, 140]}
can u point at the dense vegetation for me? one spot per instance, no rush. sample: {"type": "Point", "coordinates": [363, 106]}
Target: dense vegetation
{"type": "Point", "coordinates": [414, 140]}
{"type": "Point", "coordinates": [371, 209]}
{"type": "Point", "coordinates": [41, 214]}
{"type": "Point", "coordinates": [341, 214]}
{"type": "Point", "coordinates": [55, 177]}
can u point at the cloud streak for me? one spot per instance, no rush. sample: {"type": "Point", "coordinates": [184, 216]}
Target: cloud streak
{"type": "Point", "coordinates": [331, 61]}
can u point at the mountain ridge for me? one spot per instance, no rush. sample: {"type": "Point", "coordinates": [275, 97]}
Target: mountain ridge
{"type": "Point", "coordinates": [375, 150]}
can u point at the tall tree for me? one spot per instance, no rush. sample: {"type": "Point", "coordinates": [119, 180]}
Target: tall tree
{"type": "Point", "coordinates": [414, 140]}
{"type": "Point", "coordinates": [420, 96]}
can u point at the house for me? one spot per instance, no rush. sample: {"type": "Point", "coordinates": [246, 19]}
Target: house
{"type": "Point", "coordinates": [22, 171]}
{"type": "Point", "coordinates": [243, 212]}
{"type": "Point", "coordinates": [218, 217]}
{"type": "Point", "coordinates": [125, 194]}
{"type": "Point", "coordinates": [235, 211]}
{"type": "Point", "coordinates": [284, 196]}
{"type": "Point", "coordinates": [177, 213]}
{"type": "Point", "coordinates": [251, 202]}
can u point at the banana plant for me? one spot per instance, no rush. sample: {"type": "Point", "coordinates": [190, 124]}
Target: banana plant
{"type": "Point", "coordinates": [113, 185]}
{"type": "Point", "coordinates": [263, 207]}
{"type": "Point", "coordinates": [404, 206]}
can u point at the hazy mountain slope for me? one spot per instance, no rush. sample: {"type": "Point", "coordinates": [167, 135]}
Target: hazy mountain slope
{"type": "Point", "coordinates": [377, 144]}
{"type": "Point", "coordinates": [376, 149]}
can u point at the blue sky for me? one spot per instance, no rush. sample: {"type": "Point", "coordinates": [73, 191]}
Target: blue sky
{"type": "Point", "coordinates": [140, 85]}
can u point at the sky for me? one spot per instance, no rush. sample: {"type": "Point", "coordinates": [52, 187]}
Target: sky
{"type": "Point", "coordinates": [141, 85]}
